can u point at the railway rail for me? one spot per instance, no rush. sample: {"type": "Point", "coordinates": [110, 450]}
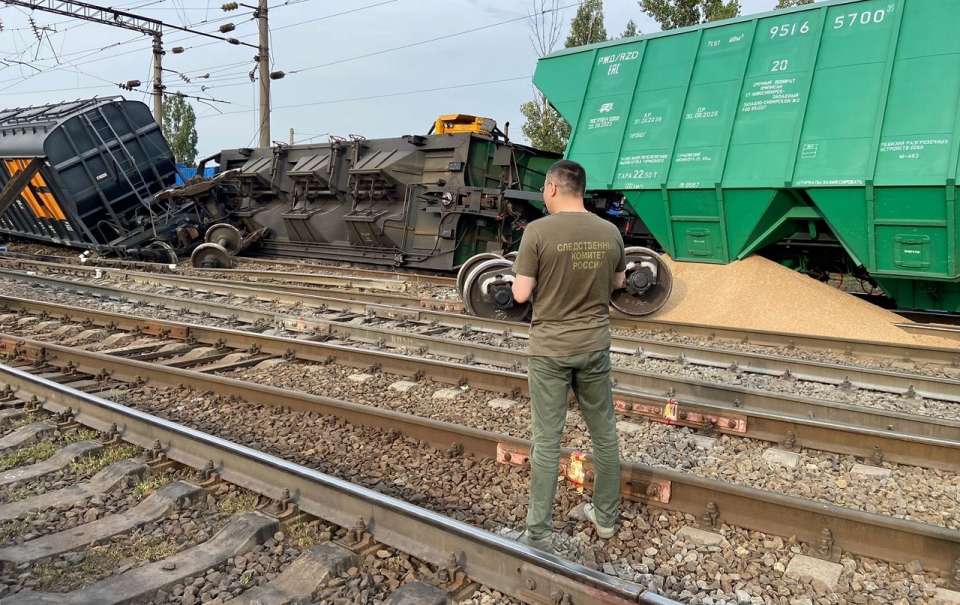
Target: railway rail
{"type": "Point", "coordinates": [853, 531]}
{"type": "Point", "coordinates": [776, 417]}
{"type": "Point", "coordinates": [780, 343]}
{"type": "Point", "coordinates": [462, 553]}
{"type": "Point", "coordinates": [249, 267]}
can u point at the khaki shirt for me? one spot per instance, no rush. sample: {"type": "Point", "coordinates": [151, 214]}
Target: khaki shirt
{"type": "Point", "coordinates": [574, 257]}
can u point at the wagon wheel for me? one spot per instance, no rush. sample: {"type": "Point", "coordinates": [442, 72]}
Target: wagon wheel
{"type": "Point", "coordinates": [469, 264]}
{"type": "Point", "coordinates": [648, 284]}
{"type": "Point", "coordinates": [226, 235]}
{"type": "Point", "coordinates": [211, 256]}
{"type": "Point", "coordinates": [165, 248]}
{"type": "Point", "coordinates": [488, 293]}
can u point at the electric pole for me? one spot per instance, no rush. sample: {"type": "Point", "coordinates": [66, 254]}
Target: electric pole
{"type": "Point", "coordinates": [263, 57]}
{"type": "Point", "coordinates": [106, 15]}
{"type": "Point", "coordinates": [158, 78]}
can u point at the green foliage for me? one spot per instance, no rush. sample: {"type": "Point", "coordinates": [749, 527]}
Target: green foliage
{"type": "Point", "coordinates": [587, 26]}
{"type": "Point", "coordinates": [792, 3]}
{"type": "Point", "coordinates": [150, 484]}
{"type": "Point", "coordinates": [180, 128]}
{"type": "Point", "coordinates": [681, 13]}
{"type": "Point", "coordinates": [544, 126]}
{"type": "Point", "coordinates": [89, 465]}
{"type": "Point", "coordinates": [28, 455]}
{"type": "Point", "coordinates": [238, 502]}
{"type": "Point", "coordinates": [631, 30]}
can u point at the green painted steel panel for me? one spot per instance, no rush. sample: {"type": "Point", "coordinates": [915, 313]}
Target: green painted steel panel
{"type": "Point", "coordinates": [726, 135]}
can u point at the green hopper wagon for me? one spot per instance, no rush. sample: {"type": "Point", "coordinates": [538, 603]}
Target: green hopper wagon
{"type": "Point", "coordinates": [838, 121]}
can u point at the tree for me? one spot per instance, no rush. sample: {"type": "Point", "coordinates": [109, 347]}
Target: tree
{"type": "Point", "coordinates": [681, 13]}
{"type": "Point", "coordinates": [587, 25]}
{"type": "Point", "coordinates": [180, 128]}
{"type": "Point", "coordinates": [631, 30]}
{"type": "Point", "coordinates": [792, 3]}
{"type": "Point", "coordinates": [544, 127]}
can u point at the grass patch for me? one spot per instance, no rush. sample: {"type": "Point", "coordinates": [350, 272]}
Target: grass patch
{"type": "Point", "coordinates": [11, 530]}
{"type": "Point", "coordinates": [151, 548]}
{"type": "Point", "coordinates": [151, 484]}
{"type": "Point", "coordinates": [234, 503]}
{"type": "Point", "coordinates": [305, 534]}
{"type": "Point", "coordinates": [80, 435]}
{"type": "Point", "coordinates": [29, 418]}
{"type": "Point", "coordinates": [99, 562]}
{"type": "Point", "coordinates": [40, 450]}
{"type": "Point", "coordinates": [96, 462]}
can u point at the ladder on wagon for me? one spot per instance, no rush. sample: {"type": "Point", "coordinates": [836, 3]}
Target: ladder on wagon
{"type": "Point", "coordinates": [125, 163]}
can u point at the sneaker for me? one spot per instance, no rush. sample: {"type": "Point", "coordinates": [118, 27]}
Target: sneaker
{"type": "Point", "coordinates": [603, 532]}
{"type": "Point", "coordinates": [544, 544]}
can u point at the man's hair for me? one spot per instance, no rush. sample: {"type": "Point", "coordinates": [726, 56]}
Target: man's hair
{"type": "Point", "coordinates": [569, 177]}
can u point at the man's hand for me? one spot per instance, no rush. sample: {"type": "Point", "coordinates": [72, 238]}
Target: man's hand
{"type": "Point", "coordinates": [523, 288]}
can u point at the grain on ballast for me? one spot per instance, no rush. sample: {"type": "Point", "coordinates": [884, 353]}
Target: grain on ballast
{"type": "Point", "coordinates": [760, 294]}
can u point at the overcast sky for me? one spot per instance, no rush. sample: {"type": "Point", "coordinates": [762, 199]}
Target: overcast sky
{"type": "Point", "coordinates": [352, 78]}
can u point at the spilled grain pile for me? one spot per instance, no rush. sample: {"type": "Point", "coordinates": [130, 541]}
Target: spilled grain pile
{"type": "Point", "coordinates": [760, 294]}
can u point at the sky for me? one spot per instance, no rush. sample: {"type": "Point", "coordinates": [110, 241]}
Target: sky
{"type": "Point", "coordinates": [376, 68]}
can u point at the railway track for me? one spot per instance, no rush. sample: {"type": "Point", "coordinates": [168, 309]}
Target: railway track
{"type": "Point", "coordinates": [776, 417]}
{"type": "Point", "coordinates": [852, 531]}
{"type": "Point", "coordinates": [628, 332]}
{"type": "Point", "coordinates": [645, 483]}
{"type": "Point", "coordinates": [365, 522]}
{"type": "Point", "coordinates": [250, 268]}
{"type": "Point", "coordinates": [61, 363]}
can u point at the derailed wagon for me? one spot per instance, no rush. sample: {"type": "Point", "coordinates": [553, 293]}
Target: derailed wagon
{"type": "Point", "coordinates": [87, 174]}
{"type": "Point", "coordinates": [421, 201]}
{"type": "Point", "coordinates": [826, 137]}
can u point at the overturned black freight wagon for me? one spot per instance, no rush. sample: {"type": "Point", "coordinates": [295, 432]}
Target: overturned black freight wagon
{"type": "Point", "coordinates": [86, 174]}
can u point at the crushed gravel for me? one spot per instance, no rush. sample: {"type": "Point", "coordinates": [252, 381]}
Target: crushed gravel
{"type": "Point", "coordinates": [478, 491]}
{"type": "Point", "coordinates": [926, 495]}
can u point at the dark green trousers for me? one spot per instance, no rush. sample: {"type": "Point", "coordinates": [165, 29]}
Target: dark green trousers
{"type": "Point", "coordinates": [551, 379]}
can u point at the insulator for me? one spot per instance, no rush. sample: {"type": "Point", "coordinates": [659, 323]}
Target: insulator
{"type": "Point", "coordinates": [233, 41]}
{"type": "Point", "coordinates": [177, 50]}
{"type": "Point", "coordinates": [227, 27]}
{"type": "Point", "coordinates": [277, 75]}
{"type": "Point", "coordinates": [231, 6]}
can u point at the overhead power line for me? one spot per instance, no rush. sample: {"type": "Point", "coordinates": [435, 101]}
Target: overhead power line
{"type": "Point", "coordinates": [374, 97]}
{"type": "Point", "coordinates": [428, 40]}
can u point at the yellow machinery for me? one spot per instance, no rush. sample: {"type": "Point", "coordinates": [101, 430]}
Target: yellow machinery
{"type": "Point", "coordinates": [456, 123]}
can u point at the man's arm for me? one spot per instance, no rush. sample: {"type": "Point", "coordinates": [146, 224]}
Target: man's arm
{"type": "Point", "coordinates": [527, 265]}
{"type": "Point", "coordinates": [619, 280]}
{"type": "Point", "coordinates": [523, 287]}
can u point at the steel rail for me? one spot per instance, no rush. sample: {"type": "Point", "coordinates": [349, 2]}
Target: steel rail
{"type": "Point", "coordinates": [935, 329]}
{"type": "Point", "coordinates": [436, 280]}
{"type": "Point", "coordinates": [854, 531]}
{"type": "Point", "coordinates": [317, 277]}
{"type": "Point", "coordinates": [282, 293]}
{"type": "Point", "coordinates": [295, 280]}
{"type": "Point", "coordinates": [799, 421]}
{"type": "Point", "coordinates": [837, 374]}
{"type": "Point", "coordinates": [492, 560]}
{"type": "Point", "coordinates": [417, 309]}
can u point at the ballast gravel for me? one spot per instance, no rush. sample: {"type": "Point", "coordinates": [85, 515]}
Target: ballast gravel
{"type": "Point", "coordinates": [815, 390]}
{"type": "Point", "coordinates": [925, 495]}
{"type": "Point", "coordinates": [747, 567]}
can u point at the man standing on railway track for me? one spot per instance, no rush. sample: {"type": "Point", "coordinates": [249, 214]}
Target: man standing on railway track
{"type": "Point", "coordinates": [570, 263]}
